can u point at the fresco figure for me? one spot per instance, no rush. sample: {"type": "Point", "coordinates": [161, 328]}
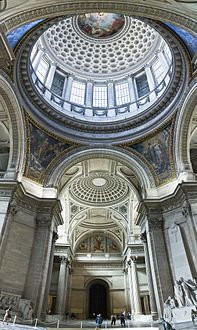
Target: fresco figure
{"type": "Point", "coordinates": [100, 25]}
{"type": "Point", "coordinates": [98, 244]}
{"type": "Point", "coordinates": [157, 152]}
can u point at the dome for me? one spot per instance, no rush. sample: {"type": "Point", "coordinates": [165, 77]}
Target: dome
{"type": "Point", "coordinates": [94, 56]}
{"type": "Point", "coordinates": [99, 188]}
{"type": "Point", "coordinates": [95, 68]}
{"type": "Point", "coordinates": [98, 66]}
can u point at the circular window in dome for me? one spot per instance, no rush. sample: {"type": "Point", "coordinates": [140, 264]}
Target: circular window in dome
{"type": "Point", "coordinates": [100, 25]}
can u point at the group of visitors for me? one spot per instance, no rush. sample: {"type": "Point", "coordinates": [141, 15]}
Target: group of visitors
{"type": "Point", "coordinates": [122, 317]}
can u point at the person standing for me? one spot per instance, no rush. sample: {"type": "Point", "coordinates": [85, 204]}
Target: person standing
{"type": "Point", "coordinates": [113, 319]}
{"type": "Point", "coordinates": [99, 321]}
{"type": "Point", "coordinates": [7, 315]}
{"type": "Point", "coordinates": [122, 320]}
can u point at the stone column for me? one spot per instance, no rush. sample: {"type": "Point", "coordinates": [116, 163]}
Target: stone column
{"type": "Point", "coordinates": [89, 93]}
{"type": "Point", "coordinates": [62, 286]}
{"type": "Point", "coordinates": [8, 209]}
{"type": "Point", "coordinates": [136, 293]}
{"type": "Point", "coordinates": [153, 306]}
{"type": "Point", "coordinates": [189, 211]}
{"type": "Point", "coordinates": [68, 88]}
{"type": "Point", "coordinates": [37, 59]}
{"type": "Point", "coordinates": [127, 288]}
{"type": "Point", "coordinates": [158, 261]}
{"type": "Point", "coordinates": [45, 302]}
{"type": "Point", "coordinates": [110, 94]}
{"type": "Point", "coordinates": [131, 294]}
{"type": "Point", "coordinates": [5, 197]}
{"type": "Point", "coordinates": [49, 80]}
{"type": "Point", "coordinates": [132, 93]}
{"type": "Point", "coordinates": [151, 82]}
{"type": "Point", "coordinates": [163, 61]}
{"type": "Point", "coordinates": [50, 75]}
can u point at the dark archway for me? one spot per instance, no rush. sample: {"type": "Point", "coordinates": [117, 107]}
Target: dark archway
{"type": "Point", "coordinates": [98, 299]}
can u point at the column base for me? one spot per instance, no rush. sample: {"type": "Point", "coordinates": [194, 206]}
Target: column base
{"type": "Point", "coordinates": [154, 316]}
{"type": "Point", "coordinates": [43, 316]}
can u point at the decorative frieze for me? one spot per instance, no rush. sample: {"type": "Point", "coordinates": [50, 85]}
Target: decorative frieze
{"type": "Point", "coordinates": [99, 266]}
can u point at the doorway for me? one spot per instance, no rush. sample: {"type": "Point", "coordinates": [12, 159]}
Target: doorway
{"type": "Point", "coordinates": [98, 299]}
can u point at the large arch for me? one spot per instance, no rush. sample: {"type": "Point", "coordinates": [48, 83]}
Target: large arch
{"type": "Point", "coordinates": [13, 112]}
{"type": "Point", "coordinates": [101, 299]}
{"type": "Point", "coordinates": [183, 130]}
{"type": "Point", "coordinates": [173, 14]}
{"type": "Point", "coordinates": [130, 158]}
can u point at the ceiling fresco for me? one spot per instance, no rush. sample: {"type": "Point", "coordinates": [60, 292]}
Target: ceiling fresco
{"type": "Point", "coordinates": [98, 242]}
{"type": "Point", "coordinates": [17, 34]}
{"type": "Point", "coordinates": [105, 29]}
{"type": "Point", "coordinates": [189, 39]}
{"type": "Point", "coordinates": [43, 150]}
{"type": "Point", "coordinates": [158, 152]}
{"type": "Point", "coordinates": [100, 25]}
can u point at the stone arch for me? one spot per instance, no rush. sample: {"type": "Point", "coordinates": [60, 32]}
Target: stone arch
{"type": "Point", "coordinates": [35, 12]}
{"type": "Point", "coordinates": [90, 285]}
{"type": "Point", "coordinates": [74, 224]}
{"type": "Point", "coordinates": [4, 147]}
{"type": "Point", "coordinates": [183, 129]}
{"type": "Point", "coordinates": [13, 114]}
{"type": "Point", "coordinates": [127, 157]}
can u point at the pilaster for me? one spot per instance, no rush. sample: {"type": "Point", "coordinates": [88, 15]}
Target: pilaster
{"type": "Point", "coordinates": [136, 292]}
{"type": "Point", "coordinates": [158, 258]}
{"type": "Point", "coordinates": [6, 191]}
{"type": "Point", "coordinates": [64, 254]}
{"type": "Point", "coordinates": [37, 282]}
{"type": "Point", "coordinates": [133, 251]}
{"type": "Point", "coordinates": [50, 269]}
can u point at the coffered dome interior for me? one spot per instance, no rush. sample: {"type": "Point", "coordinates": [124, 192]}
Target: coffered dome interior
{"type": "Point", "coordinates": [101, 67]}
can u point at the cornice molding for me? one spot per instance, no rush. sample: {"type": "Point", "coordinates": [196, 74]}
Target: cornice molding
{"type": "Point", "coordinates": [184, 195]}
{"type": "Point", "coordinates": [144, 10]}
